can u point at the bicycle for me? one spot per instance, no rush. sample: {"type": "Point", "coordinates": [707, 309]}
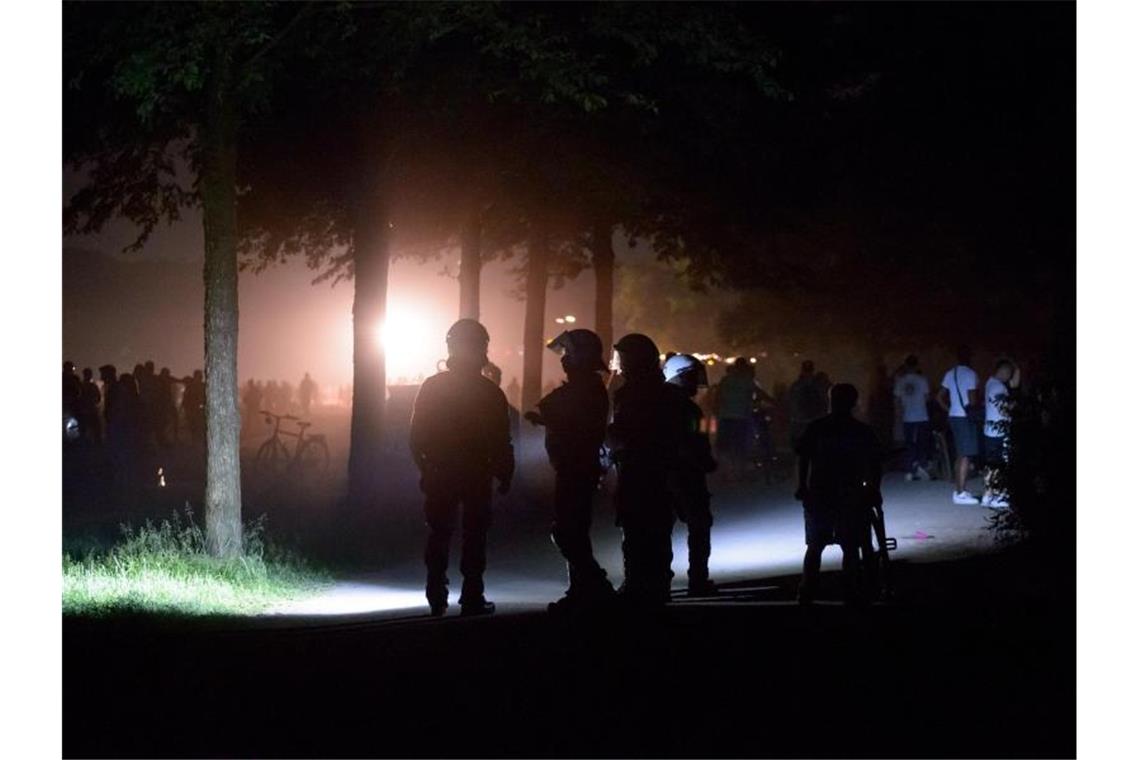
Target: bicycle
{"type": "Point", "coordinates": [943, 461]}
{"type": "Point", "coordinates": [309, 457]}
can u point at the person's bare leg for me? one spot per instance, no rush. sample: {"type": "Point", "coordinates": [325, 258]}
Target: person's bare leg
{"type": "Point", "coordinates": [963, 471]}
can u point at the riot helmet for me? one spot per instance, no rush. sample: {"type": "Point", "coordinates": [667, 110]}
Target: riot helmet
{"type": "Point", "coordinates": [637, 354]}
{"type": "Point", "coordinates": [686, 371]}
{"type": "Point", "coordinates": [580, 350]}
{"type": "Point", "coordinates": [467, 342]}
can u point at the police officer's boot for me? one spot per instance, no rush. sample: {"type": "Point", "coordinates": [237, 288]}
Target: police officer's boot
{"type": "Point", "coordinates": [437, 596]}
{"type": "Point", "coordinates": [472, 601]}
{"type": "Point", "coordinates": [480, 606]}
{"type": "Point", "coordinates": [700, 584]}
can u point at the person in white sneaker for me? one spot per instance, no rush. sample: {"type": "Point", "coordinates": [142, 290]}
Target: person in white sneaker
{"type": "Point", "coordinates": [959, 397]}
{"type": "Point", "coordinates": [911, 391]}
{"type": "Point", "coordinates": [1006, 376]}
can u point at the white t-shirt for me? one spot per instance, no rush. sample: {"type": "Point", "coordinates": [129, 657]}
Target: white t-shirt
{"type": "Point", "coordinates": [911, 390]}
{"type": "Point", "coordinates": [966, 381]}
{"type": "Point", "coordinates": [996, 391]}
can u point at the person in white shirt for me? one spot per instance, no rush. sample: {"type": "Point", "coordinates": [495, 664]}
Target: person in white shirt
{"type": "Point", "coordinates": [1006, 375]}
{"type": "Point", "coordinates": [912, 390]}
{"type": "Point", "coordinates": [959, 397]}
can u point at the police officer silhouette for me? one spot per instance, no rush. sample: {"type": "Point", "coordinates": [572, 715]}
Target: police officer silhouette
{"type": "Point", "coordinates": [575, 415]}
{"type": "Point", "coordinates": [460, 440]}
{"type": "Point", "coordinates": [687, 481]}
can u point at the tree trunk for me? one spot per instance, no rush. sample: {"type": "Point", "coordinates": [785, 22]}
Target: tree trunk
{"type": "Point", "coordinates": [369, 379]}
{"type": "Point", "coordinates": [603, 259]}
{"type": "Point", "coordinates": [535, 320]}
{"type": "Point", "coordinates": [219, 222]}
{"type": "Point", "coordinates": [470, 268]}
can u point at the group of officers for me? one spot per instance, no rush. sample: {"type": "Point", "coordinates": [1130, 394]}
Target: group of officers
{"type": "Point", "coordinates": [461, 442]}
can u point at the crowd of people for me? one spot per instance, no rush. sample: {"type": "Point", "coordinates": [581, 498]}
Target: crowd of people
{"type": "Point", "coordinates": [129, 408]}
{"type": "Point", "coordinates": [132, 416]}
{"type": "Point", "coordinates": [259, 396]}
{"type": "Point", "coordinates": [902, 409]}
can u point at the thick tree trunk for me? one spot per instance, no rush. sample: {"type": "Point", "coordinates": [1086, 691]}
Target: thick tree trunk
{"type": "Point", "coordinates": [223, 424]}
{"type": "Point", "coordinates": [470, 267]}
{"type": "Point", "coordinates": [369, 378]}
{"type": "Point", "coordinates": [535, 320]}
{"type": "Point", "coordinates": [603, 259]}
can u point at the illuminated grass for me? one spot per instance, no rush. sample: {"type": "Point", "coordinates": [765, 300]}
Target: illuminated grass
{"type": "Point", "coordinates": [164, 569]}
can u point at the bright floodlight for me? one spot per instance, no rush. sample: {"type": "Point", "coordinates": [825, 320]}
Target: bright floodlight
{"type": "Point", "coordinates": [412, 340]}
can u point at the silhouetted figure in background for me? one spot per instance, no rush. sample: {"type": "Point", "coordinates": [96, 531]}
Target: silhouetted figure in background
{"type": "Point", "coordinates": [194, 407]}
{"type": "Point", "coordinates": [285, 390]}
{"type": "Point", "coordinates": [840, 467]}
{"type": "Point", "coordinates": [687, 480]}
{"type": "Point", "coordinates": [89, 397]}
{"type": "Point", "coordinates": [165, 410]}
{"type": "Point", "coordinates": [764, 408]}
{"type": "Point", "coordinates": [808, 401]}
{"type": "Point", "coordinates": [575, 415]}
{"type": "Point", "coordinates": [644, 439]}
{"type": "Point", "coordinates": [460, 441]}
{"type": "Point", "coordinates": [126, 432]}
{"type": "Point", "coordinates": [72, 390]}
{"type": "Point", "coordinates": [307, 392]}
{"type": "Point", "coordinates": [108, 377]}
{"type": "Point", "coordinates": [144, 382]}
{"type": "Point", "coordinates": [912, 392]}
{"type": "Point", "coordinates": [735, 397]}
{"type": "Point", "coordinates": [514, 392]}
{"type": "Point", "coordinates": [494, 373]}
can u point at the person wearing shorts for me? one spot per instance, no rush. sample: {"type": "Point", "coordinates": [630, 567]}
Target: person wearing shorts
{"type": "Point", "coordinates": [959, 396]}
{"type": "Point", "coordinates": [995, 436]}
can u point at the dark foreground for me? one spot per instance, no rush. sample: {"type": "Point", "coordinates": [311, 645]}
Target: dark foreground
{"type": "Point", "coordinates": [976, 659]}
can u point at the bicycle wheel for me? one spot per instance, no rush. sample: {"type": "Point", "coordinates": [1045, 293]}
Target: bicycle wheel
{"type": "Point", "coordinates": [313, 458]}
{"type": "Point", "coordinates": [272, 458]}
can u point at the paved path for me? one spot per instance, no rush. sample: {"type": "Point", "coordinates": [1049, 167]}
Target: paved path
{"type": "Point", "coordinates": [758, 534]}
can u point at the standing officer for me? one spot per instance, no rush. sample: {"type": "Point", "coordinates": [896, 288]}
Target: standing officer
{"type": "Point", "coordinates": [644, 439]}
{"type": "Point", "coordinates": [575, 415]}
{"type": "Point", "coordinates": [460, 441]}
{"type": "Point", "coordinates": [687, 481]}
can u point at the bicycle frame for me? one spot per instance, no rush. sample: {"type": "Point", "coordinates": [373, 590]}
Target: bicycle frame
{"type": "Point", "coordinates": [278, 433]}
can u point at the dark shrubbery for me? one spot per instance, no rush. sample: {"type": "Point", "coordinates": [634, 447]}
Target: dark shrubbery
{"type": "Point", "coordinates": [1040, 472]}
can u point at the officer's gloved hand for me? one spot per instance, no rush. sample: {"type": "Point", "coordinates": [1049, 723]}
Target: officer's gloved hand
{"type": "Point", "coordinates": [534, 418]}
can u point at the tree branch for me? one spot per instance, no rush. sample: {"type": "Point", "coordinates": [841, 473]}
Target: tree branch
{"type": "Point", "coordinates": [279, 38]}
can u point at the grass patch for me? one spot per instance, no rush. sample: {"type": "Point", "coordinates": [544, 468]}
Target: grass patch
{"type": "Point", "coordinates": [164, 568]}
